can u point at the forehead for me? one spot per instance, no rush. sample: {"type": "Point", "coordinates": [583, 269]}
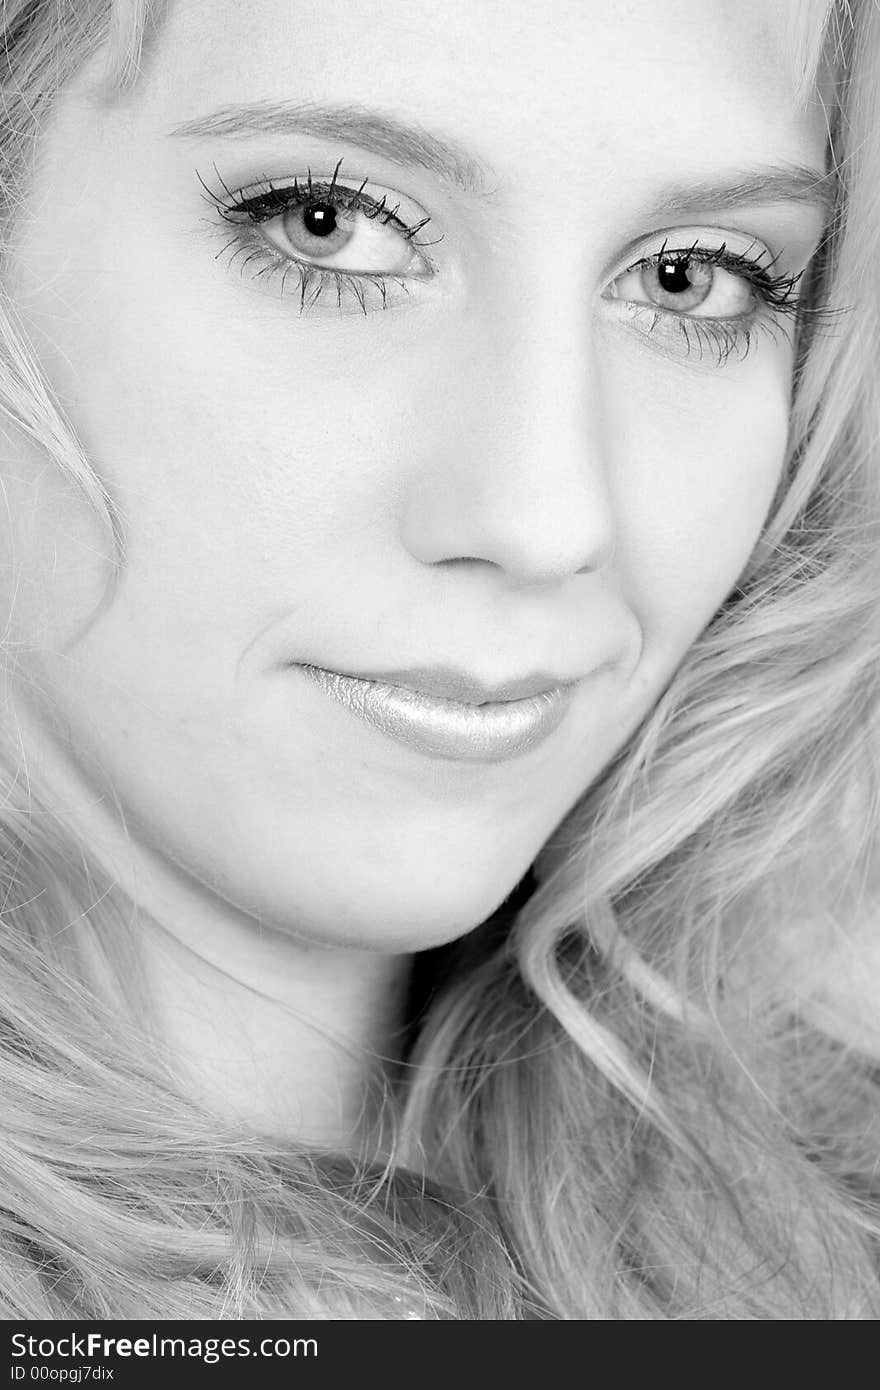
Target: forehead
{"type": "Point", "coordinates": [690, 85]}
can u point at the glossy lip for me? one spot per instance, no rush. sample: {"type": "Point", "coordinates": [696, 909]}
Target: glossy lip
{"type": "Point", "coordinates": [451, 683]}
{"type": "Point", "coordinates": [448, 714]}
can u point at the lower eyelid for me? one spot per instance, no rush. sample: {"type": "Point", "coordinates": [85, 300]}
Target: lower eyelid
{"type": "Point", "coordinates": [308, 281]}
{"type": "Point", "coordinates": [693, 342]}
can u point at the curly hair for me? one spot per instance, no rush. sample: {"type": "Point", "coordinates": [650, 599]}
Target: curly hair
{"type": "Point", "coordinates": [620, 1101]}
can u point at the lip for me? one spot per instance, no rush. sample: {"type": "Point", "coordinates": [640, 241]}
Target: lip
{"type": "Point", "coordinates": [451, 683]}
{"type": "Point", "coordinates": [448, 714]}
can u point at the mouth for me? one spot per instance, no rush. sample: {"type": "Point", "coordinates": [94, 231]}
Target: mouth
{"type": "Point", "coordinates": [447, 714]}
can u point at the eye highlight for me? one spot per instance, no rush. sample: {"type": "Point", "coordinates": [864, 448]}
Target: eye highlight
{"type": "Point", "coordinates": [708, 296]}
{"type": "Point", "coordinates": [319, 234]}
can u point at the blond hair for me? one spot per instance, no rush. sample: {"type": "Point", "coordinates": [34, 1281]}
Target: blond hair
{"type": "Point", "coordinates": [615, 1106]}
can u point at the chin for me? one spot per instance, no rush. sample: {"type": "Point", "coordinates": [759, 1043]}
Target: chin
{"type": "Point", "coordinates": [410, 908]}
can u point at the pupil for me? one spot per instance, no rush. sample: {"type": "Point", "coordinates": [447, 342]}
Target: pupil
{"type": "Point", "coordinates": [319, 219]}
{"type": "Point", "coordinates": [673, 276]}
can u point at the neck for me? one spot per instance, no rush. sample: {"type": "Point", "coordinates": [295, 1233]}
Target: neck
{"type": "Point", "coordinates": [269, 1031]}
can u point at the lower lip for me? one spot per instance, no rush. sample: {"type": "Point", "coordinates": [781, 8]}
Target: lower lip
{"type": "Point", "coordinates": [490, 733]}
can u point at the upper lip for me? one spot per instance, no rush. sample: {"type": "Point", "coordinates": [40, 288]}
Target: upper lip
{"type": "Point", "coordinates": [451, 683]}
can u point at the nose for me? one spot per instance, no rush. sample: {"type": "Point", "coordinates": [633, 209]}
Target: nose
{"type": "Point", "coordinates": [516, 475]}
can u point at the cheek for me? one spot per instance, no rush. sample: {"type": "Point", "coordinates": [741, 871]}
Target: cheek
{"type": "Point", "coordinates": [698, 458]}
{"type": "Point", "coordinates": [58, 553]}
{"type": "Point", "coordinates": [225, 420]}
{"type": "Point", "coordinates": [245, 464]}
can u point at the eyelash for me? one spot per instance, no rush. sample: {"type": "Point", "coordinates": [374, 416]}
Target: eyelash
{"type": "Point", "coordinates": [777, 295]}
{"type": "Point", "coordinates": [267, 200]}
{"type": "Point", "coordinates": [726, 338]}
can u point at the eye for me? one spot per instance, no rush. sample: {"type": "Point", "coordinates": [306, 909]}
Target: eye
{"type": "Point", "coordinates": [353, 239]}
{"type": "Point", "coordinates": [687, 282]}
{"type": "Point", "coordinates": [329, 226]}
{"type": "Point", "coordinates": [709, 296]}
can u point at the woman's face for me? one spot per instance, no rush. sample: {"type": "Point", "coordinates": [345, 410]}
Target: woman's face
{"type": "Point", "coordinates": [533, 438]}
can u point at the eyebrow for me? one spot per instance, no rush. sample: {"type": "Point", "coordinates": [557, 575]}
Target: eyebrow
{"type": "Point", "coordinates": [382, 135]}
{"type": "Point", "coordinates": [408, 144]}
{"type": "Point", "coordinates": [785, 183]}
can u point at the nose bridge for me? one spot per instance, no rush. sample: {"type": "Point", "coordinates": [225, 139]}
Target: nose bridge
{"type": "Point", "coordinates": [555, 401]}
{"type": "Point", "coordinates": [527, 489]}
